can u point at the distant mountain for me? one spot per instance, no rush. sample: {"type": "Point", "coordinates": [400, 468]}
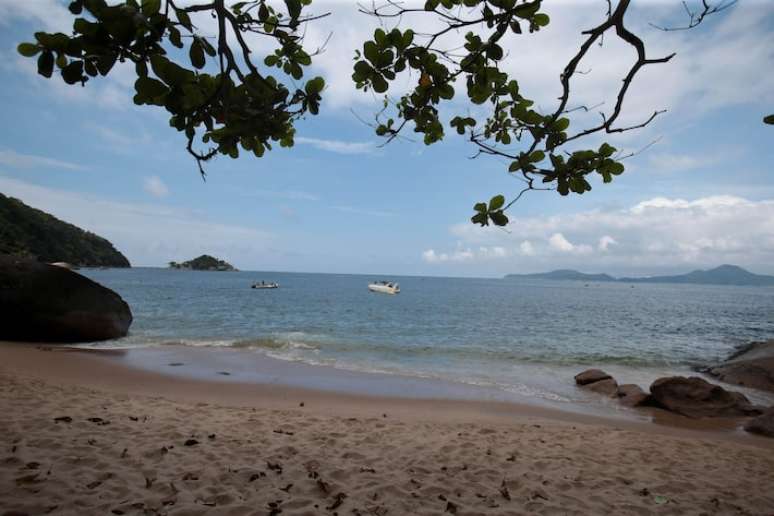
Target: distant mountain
{"type": "Point", "coordinates": [204, 262]}
{"type": "Point", "coordinates": [723, 275]}
{"type": "Point", "coordinates": [26, 231]}
{"type": "Point", "coordinates": [563, 274]}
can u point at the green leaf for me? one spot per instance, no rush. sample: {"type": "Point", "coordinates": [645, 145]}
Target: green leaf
{"type": "Point", "coordinates": [151, 7]}
{"type": "Point", "coordinates": [496, 202]}
{"type": "Point", "coordinates": [541, 19]}
{"type": "Point", "coordinates": [499, 218]}
{"type": "Point", "coordinates": [46, 64]}
{"type": "Point", "coordinates": [73, 72]}
{"type": "Point", "coordinates": [480, 207]}
{"type": "Point", "coordinates": [196, 53]}
{"type": "Point", "coordinates": [28, 49]}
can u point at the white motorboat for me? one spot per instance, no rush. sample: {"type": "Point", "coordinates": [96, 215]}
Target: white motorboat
{"type": "Point", "coordinates": [385, 287]}
{"type": "Point", "coordinates": [263, 284]}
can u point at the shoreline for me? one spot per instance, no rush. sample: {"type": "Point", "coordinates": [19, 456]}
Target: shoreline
{"type": "Point", "coordinates": [107, 370]}
{"type": "Point", "coordinates": [84, 435]}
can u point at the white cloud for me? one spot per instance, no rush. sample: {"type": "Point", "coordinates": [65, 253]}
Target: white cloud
{"type": "Point", "coordinates": [465, 255]}
{"type": "Point", "coordinates": [605, 242]}
{"type": "Point", "coordinates": [337, 146]}
{"type": "Point", "coordinates": [526, 248]}
{"type": "Point", "coordinates": [149, 234]}
{"type": "Point", "coordinates": [14, 159]}
{"type": "Point", "coordinates": [560, 243]}
{"type": "Point", "coordinates": [680, 162]}
{"type": "Point", "coordinates": [650, 236]}
{"type": "Point", "coordinates": [155, 186]}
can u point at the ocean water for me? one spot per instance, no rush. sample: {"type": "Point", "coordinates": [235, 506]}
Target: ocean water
{"type": "Point", "coordinates": [527, 337]}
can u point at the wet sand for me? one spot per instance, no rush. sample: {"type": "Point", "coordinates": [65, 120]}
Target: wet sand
{"type": "Point", "coordinates": [84, 434]}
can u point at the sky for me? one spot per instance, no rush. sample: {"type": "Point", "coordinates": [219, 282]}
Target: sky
{"type": "Point", "coordinates": [339, 202]}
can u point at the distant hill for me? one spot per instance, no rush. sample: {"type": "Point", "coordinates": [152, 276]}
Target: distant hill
{"type": "Point", "coordinates": [723, 275]}
{"type": "Point", "coordinates": [564, 274]}
{"type": "Point", "coordinates": [204, 262]}
{"type": "Point", "coordinates": [26, 231]}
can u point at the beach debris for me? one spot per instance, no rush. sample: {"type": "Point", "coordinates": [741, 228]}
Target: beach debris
{"type": "Point", "coordinates": [301, 404]}
{"type": "Point", "coordinates": [134, 418]}
{"type": "Point", "coordinates": [95, 484]}
{"type": "Point", "coordinates": [539, 494]}
{"type": "Point", "coordinates": [211, 437]}
{"type": "Point", "coordinates": [365, 469]}
{"type": "Point", "coordinates": [274, 508]}
{"type": "Point", "coordinates": [32, 465]}
{"type": "Point", "coordinates": [284, 432]}
{"type": "Point", "coordinates": [149, 482]}
{"type": "Point", "coordinates": [591, 376]}
{"type": "Point", "coordinates": [255, 476]}
{"type": "Point", "coordinates": [763, 424]}
{"type": "Point", "coordinates": [275, 467]}
{"type": "Point", "coordinates": [511, 457]}
{"type": "Point", "coordinates": [91, 442]}
{"type": "Point", "coordinates": [644, 491]}
{"type": "Point", "coordinates": [192, 476]}
{"type": "Point", "coordinates": [451, 507]}
{"type": "Point", "coordinates": [286, 488]}
{"type": "Point", "coordinates": [504, 490]}
{"type": "Point", "coordinates": [322, 485]}
{"type": "Point", "coordinates": [63, 419]}
{"type": "Point", "coordinates": [660, 500]}
{"type": "Point", "coordinates": [175, 364]}
{"type": "Point", "coordinates": [28, 479]}
{"type": "Point", "coordinates": [191, 442]}
{"type": "Point", "coordinates": [224, 373]}
{"type": "Point", "coordinates": [338, 500]}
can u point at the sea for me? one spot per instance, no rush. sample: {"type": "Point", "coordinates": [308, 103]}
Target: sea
{"type": "Point", "coordinates": [504, 338]}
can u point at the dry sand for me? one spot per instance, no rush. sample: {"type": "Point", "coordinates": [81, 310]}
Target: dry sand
{"type": "Point", "coordinates": [255, 450]}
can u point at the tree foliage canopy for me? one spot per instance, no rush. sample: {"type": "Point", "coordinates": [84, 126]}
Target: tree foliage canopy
{"type": "Point", "coordinates": [222, 99]}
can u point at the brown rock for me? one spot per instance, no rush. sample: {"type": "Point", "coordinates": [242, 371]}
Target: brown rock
{"type": "Point", "coordinates": [695, 397]}
{"type": "Point", "coordinates": [751, 366]}
{"type": "Point", "coordinates": [763, 424]}
{"type": "Point", "coordinates": [590, 376]}
{"type": "Point", "coordinates": [607, 387]}
{"type": "Point", "coordinates": [44, 303]}
{"type": "Point", "coordinates": [632, 395]}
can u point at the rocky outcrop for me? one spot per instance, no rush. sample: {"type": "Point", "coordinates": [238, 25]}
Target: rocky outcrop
{"type": "Point", "coordinates": [590, 376]}
{"type": "Point", "coordinates": [751, 366]}
{"type": "Point", "coordinates": [607, 387]}
{"type": "Point", "coordinates": [632, 395]}
{"type": "Point", "coordinates": [44, 303]}
{"type": "Point", "coordinates": [763, 424]}
{"type": "Point", "coordinates": [695, 397]}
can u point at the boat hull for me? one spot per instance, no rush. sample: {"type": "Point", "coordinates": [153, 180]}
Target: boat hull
{"type": "Point", "coordinates": [383, 289]}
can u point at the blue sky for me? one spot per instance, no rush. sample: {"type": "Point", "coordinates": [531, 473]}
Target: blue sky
{"type": "Point", "coordinates": [701, 196]}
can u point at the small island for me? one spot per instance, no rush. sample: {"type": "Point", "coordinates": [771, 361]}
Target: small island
{"type": "Point", "coordinates": [204, 262]}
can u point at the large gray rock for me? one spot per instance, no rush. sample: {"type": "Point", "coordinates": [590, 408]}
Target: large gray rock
{"type": "Point", "coordinates": [44, 303]}
{"type": "Point", "coordinates": [696, 397]}
{"type": "Point", "coordinates": [751, 366]}
{"type": "Point", "coordinates": [763, 424]}
{"type": "Point", "coordinates": [590, 376]}
{"type": "Point", "coordinates": [632, 395]}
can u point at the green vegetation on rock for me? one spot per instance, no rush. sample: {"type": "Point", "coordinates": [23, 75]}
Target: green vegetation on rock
{"type": "Point", "coordinates": [204, 262]}
{"type": "Point", "coordinates": [26, 231]}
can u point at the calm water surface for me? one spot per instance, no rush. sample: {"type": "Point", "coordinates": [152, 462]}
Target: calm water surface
{"type": "Point", "coordinates": [525, 337]}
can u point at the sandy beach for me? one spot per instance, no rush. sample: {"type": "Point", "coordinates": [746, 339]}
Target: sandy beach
{"type": "Point", "coordinates": [84, 435]}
